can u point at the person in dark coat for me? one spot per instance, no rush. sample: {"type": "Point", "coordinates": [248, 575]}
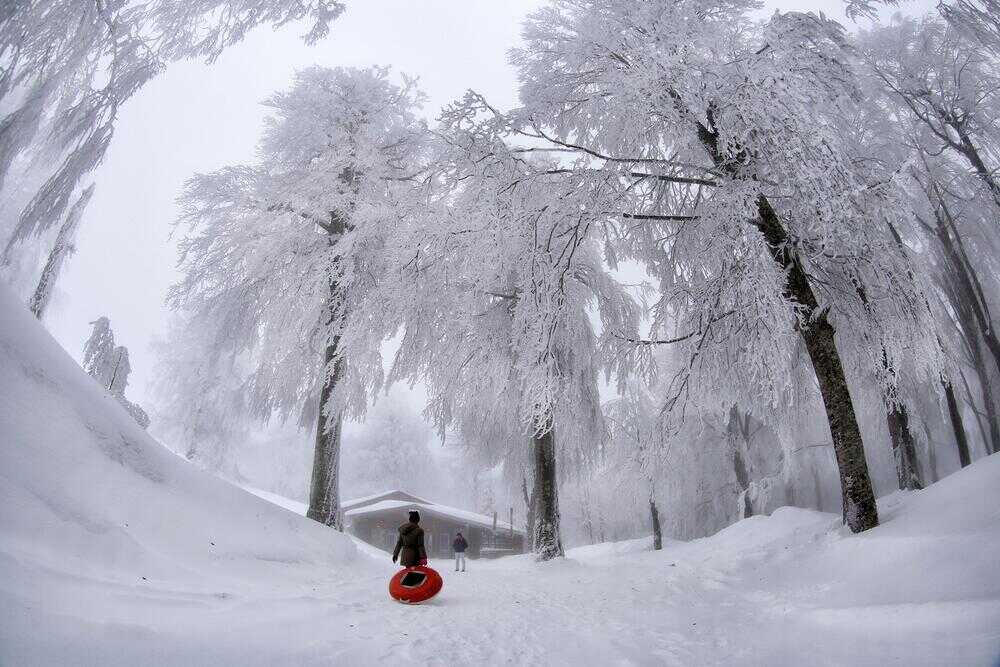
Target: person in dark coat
{"type": "Point", "coordinates": [459, 544]}
{"type": "Point", "coordinates": [410, 545]}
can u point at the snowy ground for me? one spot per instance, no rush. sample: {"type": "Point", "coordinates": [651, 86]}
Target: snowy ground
{"type": "Point", "coordinates": [114, 551]}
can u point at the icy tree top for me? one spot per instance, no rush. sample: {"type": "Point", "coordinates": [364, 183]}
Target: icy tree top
{"type": "Point", "coordinates": [281, 253]}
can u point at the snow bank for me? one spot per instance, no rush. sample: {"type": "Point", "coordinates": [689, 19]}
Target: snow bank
{"type": "Point", "coordinates": [796, 587]}
{"type": "Point", "coordinates": [287, 503]}
{"type": "Point", "coordinates": [97, 519]}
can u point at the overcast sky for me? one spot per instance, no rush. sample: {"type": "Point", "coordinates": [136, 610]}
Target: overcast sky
{"type": "Point", "coordinates": [197, 118]}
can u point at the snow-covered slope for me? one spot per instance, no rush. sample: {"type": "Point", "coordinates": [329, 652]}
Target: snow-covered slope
{"type": "Point", "coordinates": [101, 527]}
{"type": "Point", "coordinates": [113, 551]}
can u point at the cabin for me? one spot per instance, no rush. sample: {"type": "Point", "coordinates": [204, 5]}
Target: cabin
{"type": "Point", "coordinates": [376, 520]}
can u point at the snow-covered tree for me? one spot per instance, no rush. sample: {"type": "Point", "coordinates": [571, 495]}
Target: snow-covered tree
{"type": "Point", "coordinates": [109, 365]}
{"type": "Point", "coordinates": [67, 67]}
{"type": "Point", "coordinates": [936, 95]}
{"type": "Point", "coordinates": [495, 291]}
{"type": "Point", "coordinates": [949, 85]}
{"type": "Point", "coordinates": [978, 19]}
{"type": "Point", "coordinates": [282, 254]}
{"type": "Point", "coordinates": [99, 352]}
{"type": "Point", "coordinates": [739, 194]}
{"type": "Point", "coordinates": [201, 408]}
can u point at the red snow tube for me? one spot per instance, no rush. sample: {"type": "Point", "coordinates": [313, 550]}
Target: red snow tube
{"type": "Point", "coordinates": [415, 584]}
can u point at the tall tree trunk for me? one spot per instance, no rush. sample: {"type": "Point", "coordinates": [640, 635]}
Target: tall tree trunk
{"type": "Point", "coordinates": [991, 411]}
{"type": "Point", "coordinates": [546, 540]}
{"type": "Point", "coordinates": [957, 425]}
{"type": "Point", "coordinates": [61, 250]}
{"type": "Point", "coordinates": [964, 279]}
{"type": "Point", "coordinates": [324, 492]}
{"type": "Point", "coordinates": [657, 532]}
{"type": "Point", "coordinates": [971, 153]}
{"type": "Point", "coordinates": [989, 431]}
{"type": "Point", "coordinates": [324, 489]}
{"type": "Point", "coordinates": [975, 325]}
{"type": "Point", "coordinates": [904, 449]}
{"type": "Point", "coordinates": [857, 495]}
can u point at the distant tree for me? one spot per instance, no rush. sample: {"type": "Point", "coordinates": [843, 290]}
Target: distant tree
{"type": "Point", "coordinates": [392, 450]}
{"type": "Point", "coordinates": [109, 365]}
{"type": "Point", "coordinates": [978, 19]}
{"type": "Point", "coordinates": [99, 352]}
{"type": "Point", "coordinates": [201, 407]}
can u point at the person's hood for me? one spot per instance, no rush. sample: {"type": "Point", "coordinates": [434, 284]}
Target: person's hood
{"type": "Point", "coordinates": [408, 528]}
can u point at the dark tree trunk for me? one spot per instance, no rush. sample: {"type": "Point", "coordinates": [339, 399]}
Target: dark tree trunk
{"type": "Point", "coordinates": [60, 252]}
{"type": "Point", "coordinates": [957, 425]}
{"type": "Point", "coordinates": [904, 449]}
{"type": "Point", "coordinates": [985, 383]}
{"type": "Point", "coordinates": [971, 153]}
{"type": "Point", "coordinates": [966, 289]}
{"type": "Point", "coordinates": [858, 497]}
{"type": "Point", "coordinates": [324, 492]}
{"type": "Point", "coordinates": [546, 540]}
{"type": "Point", "coordinates": [657, 532]}
{"type": "Point", "coordinates": [988, 430]}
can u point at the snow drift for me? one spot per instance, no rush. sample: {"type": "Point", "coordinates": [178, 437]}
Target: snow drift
{"type": "Point", "coordinates": [97, 519]}
{"type": "Point", "coordinates": [115, 551]}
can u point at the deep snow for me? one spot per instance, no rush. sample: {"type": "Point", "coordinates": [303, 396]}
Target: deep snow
{"type": "Point", "coordinates": [115, 551]}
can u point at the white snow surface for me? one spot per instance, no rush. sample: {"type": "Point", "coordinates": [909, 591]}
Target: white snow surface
{"type": "Point", "coordinates": [113, 551]}
{"type": "Point", "coordinates": [289, 504]}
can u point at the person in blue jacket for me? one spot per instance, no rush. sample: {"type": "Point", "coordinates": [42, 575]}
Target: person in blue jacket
{"type": "Point", "coordinates": [459, 545]}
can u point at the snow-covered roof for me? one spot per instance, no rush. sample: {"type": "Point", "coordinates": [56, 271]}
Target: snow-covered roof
{"type": "Point", "coordinates": [432, 509]}
{"type": "Point", "coordinates": [375, 497]}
